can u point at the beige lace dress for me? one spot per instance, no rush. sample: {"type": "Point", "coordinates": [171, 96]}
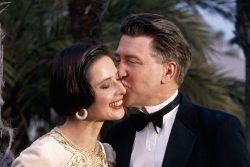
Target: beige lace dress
{"type": "Point", "coordinates": [55, 150]}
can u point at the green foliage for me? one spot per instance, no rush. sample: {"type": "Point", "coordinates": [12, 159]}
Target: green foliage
{"type": "Point", "coordinates": [35, 31]}
{"type": "Point", "coordinates": [225, 8]}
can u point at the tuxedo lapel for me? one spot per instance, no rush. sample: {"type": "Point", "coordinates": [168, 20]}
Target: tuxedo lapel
{"type": "Point", "coordinates": [182, 138]}
{"type": "Point", "coordinates": [179, 146]}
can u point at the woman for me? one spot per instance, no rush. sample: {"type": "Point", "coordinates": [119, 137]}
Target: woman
{"type": "Point", "coordinates": [85, 89]}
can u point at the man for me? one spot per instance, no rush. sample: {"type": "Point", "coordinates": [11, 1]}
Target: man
{"type": "Point", "coordinates": [153, 58]}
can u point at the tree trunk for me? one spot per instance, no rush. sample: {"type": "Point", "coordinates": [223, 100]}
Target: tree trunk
{"type": "Point", "coordinates": [243, 38]}
{"type": "Point", "coordinates": [86, 17]}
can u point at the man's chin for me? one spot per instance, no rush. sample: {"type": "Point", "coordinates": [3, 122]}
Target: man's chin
{"type": "Point", "coordinates": [127, 102]}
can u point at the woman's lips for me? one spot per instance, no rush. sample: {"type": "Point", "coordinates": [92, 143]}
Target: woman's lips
{"type": "Point", "coordinates": [116, 104]}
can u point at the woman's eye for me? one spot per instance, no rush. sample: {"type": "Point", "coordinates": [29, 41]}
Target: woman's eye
{"type": "Point", "coordinates": [117, 59]}
{"type": "Point", "coordinates": [106, 85]}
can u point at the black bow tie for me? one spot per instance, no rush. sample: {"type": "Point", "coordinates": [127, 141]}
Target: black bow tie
{"type": "Point", "coordinates": [140, 120]}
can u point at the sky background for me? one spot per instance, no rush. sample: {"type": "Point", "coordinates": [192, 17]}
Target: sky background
{"type": "Point", "coordinates": [219, 23]}
{"type": "Point", "coordinates": [231, 66]}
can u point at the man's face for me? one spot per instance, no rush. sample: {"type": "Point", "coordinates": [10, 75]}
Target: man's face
{"type": "Point", "coordinates": [140, 72]}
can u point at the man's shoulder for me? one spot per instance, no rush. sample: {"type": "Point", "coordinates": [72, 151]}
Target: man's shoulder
{"type": "Point", "coordinates": [190, 114]}
{"type": "Point", "coordinates": [203, 112]}
{"type": "Point", "coordinates": [121, 126]}
{"type": "Point", "coordinates": [213, 118]}
{"type": "Point", "coordinates": [212, 114]}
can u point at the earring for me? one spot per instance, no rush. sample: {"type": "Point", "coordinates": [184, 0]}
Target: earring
{"type": "Point", "coordinates": [83, 114]}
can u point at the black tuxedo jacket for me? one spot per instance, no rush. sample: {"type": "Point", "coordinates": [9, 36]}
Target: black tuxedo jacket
{"type": "Point", "coordinates": [200, 137]}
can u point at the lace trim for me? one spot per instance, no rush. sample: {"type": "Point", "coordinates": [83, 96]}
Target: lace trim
{"type": "Point", "coordinates": [80, 158]}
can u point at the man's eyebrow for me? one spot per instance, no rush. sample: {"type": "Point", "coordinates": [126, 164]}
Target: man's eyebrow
{"type": "Point", "coordinates": [127, 56]}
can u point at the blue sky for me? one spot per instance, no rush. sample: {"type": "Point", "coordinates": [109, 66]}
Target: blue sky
{"type": "Point", "coordinates": [219, 23]}
{"type": "Point", "coordinates": [232, 66]}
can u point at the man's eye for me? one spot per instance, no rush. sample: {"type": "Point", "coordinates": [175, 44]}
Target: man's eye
{"type": "Point", "coordinates": [117, 59]}
{"type": "Point", "coordinates": [131, 61]}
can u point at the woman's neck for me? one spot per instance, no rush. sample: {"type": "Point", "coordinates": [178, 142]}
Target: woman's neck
{"type": "Point", "coordinates": [83, 134]}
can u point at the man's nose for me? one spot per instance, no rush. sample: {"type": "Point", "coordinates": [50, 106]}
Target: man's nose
{"type": "Point", "coordinates": [121, 71]}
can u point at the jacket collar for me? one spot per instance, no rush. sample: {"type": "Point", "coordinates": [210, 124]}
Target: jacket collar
{"type": "Point", "coordinates": [182, 138]}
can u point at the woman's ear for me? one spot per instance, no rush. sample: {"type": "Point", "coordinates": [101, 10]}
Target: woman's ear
{"type": "Point", "coordinates": [169, 71]}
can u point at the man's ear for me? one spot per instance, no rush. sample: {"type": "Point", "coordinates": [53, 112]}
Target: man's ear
{"type": "Point", "coordinates": [169, 71]}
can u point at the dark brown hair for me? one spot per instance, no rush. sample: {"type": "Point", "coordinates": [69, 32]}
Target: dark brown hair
{"type": "Point", "coordinates": [168, 43]}
{"type": "Point", "coordinates": [70, 90]}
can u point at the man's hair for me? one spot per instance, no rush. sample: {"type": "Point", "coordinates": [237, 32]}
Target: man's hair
{"type": "Point", "coordinates": [168, 43]}
{"type": "Point", "coordinates": [70, 89]}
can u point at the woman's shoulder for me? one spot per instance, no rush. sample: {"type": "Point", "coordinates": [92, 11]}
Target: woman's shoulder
{"type": "Point", "coordinates": [42, 152]}
{"type": "Point", "coordinates": [44, 144]}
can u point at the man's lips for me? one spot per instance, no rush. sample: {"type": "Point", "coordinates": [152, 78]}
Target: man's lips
{"type": "Point", "coordinates": [125, 95]}
{"type": "Point", "coordinates": [125, 84]}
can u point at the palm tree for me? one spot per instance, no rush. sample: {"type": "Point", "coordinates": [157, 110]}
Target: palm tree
{"type": "Point", "coordinates": [86, 18]}
{"type": "Point", "coordinates": [243, 39]}
{"type": "Point", "coordinates": [34, 30]}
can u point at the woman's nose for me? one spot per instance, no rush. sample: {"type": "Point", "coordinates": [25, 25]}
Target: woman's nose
{"type": "Point", "coordinates": [122, 89]}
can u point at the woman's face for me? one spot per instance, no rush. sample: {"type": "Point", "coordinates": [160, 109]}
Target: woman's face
{"type": "Point", "coordinates": [108, 91]}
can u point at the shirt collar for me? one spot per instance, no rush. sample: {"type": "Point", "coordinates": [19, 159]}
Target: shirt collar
{"type": "Point", "coordinates": [152, 109]}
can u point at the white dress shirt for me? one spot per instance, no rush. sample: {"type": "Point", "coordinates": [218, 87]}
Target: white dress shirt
{"type": "Point", "coordinates": [149, 147]}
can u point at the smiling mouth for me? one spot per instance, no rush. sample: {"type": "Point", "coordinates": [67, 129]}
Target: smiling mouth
{"type": "Point", "coordinates": [116, 104]}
